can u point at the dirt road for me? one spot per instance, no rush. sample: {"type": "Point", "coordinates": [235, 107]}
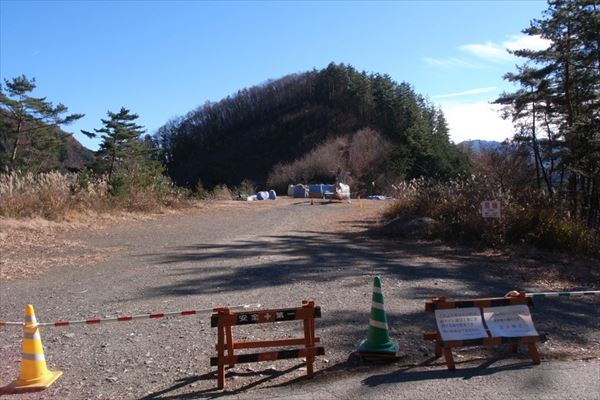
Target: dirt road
{"type": "Point", "coordinates": [276, 254]}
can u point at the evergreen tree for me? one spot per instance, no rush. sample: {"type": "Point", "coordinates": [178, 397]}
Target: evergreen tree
{"type": "Point", "coordinates": [121, 148]}
{"type": "Point", "coordinates": [29, 138]}
{"type": "Point", "coordinates": [560, 91]}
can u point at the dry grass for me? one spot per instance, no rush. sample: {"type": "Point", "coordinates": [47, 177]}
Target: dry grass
{"type": "Point", "coordinates": [58, 196]}
{"type": "Point", "coordinates": [528, 216]}
{"type": "Point", "coordinates": [48, 195]}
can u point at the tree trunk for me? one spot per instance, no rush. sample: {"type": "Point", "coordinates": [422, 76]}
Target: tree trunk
{"type": "Point", "coordinates": [536, 152]}
{"type": "Point", "coordinates": [13, 156]}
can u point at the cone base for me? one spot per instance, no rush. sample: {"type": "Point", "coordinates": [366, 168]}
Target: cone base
{"type": "Point", "coordinates": [377, 357]}
{"type": "Point", "coordinates": [30, 385]}
{"type": "Point", "coordinates": [385, 348]}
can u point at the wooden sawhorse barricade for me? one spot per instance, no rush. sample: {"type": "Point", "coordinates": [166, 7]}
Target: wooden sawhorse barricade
{"type": "Point", "coordinates": [496, 330]}
{"type": "Point", "coordinates": [223, 319]}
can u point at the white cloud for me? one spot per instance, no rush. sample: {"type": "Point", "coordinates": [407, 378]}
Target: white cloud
{"type": "Point", "coordinates": [488, 51]}
{"type": "Point", "coordinates": [450, 62]}
{"type": "Point", "coordinates": [499, 52]}
{"type": "Point", "coordinates": [469, 92]}
{"type": "Point", "coordinates": [518, 42]}
{"type": "Point", "coordinates": [476, 120]}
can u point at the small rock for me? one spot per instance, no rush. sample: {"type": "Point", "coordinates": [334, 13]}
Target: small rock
{"type": "Point", "coordinates": [112, 379]}
{"type": "Point", "coordinates": [408, 225]}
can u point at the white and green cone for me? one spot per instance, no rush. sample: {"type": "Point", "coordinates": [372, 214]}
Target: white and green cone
{"type": "Point", "coordinates": [378, 339]}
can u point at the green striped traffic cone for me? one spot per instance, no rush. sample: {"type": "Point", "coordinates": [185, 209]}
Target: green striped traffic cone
{"type": "Point", "coordinates": [378, 340]}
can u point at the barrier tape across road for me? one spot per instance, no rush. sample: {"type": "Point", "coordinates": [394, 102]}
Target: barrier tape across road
{"type": "Point", "coordinates": [564, 294]}
{"type": "Point", "coordinates": [537, 295]}
{"type": "Point", "coordinates": [125, 318]}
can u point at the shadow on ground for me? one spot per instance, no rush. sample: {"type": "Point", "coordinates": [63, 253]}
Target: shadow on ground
{"type": "Point", "coordinates": [425, 270]}
{"type": "Point", "coordinates": [384, 374]}
{"type": "Point", "coordinates": [309, 257]}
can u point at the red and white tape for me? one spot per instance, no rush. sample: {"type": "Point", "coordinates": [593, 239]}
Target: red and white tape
{"type": "Point", "coordinates": [125, 318]}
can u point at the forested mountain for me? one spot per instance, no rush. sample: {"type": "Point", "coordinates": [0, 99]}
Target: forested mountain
{"type": "Point", "coordinates": [75, 156]}
{"type": "Point", "coordinates": [58, 149]}
{"type": "Point", "coordinates": [31, 139]}
{"type": "Point", "coordinates": [248, 134]}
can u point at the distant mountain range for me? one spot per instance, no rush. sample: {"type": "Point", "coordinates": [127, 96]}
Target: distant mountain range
{"type": "Point", "coordinates": [477, 146]}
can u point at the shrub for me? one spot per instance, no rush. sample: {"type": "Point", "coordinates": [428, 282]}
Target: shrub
{"type": "Point", "coordinates": [221, 192]}
{"type": "Point", "coordinates": [320, 165]}
{"type": "Point", "coordinates": [356, 159]}
{"type": "Point", "coordinates": [529, 216]}
{"type": "Point", "coordinates": [244, 189]}
{"type": "Point", "coordinates": [200, 191]}
{"type": "Point", "coordinates": [367, 153]}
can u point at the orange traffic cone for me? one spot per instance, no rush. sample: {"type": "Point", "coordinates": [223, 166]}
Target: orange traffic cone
{"type": "Point", "coordinates": [34, 374]}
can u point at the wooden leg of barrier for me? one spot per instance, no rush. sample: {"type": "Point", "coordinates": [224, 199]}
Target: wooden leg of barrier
{"type": "Point", "coordinates": [533, 352]}
{"type": "Point", "coordinates": [438, 350]}
{"type": "Point", "coordinates": [312, 335]}
{"type": "Point", "coordinates": [449, 358]}
{"type": "Point", "coordinates": [309, 340]}
{"type": "Point", "coordinates": [229, 338]}
{"type": "Point", "coordinates": [220, 354]}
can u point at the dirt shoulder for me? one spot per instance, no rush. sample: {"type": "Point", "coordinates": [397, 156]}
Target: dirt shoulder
{"type": "Point", "coordinates": [30, 247]}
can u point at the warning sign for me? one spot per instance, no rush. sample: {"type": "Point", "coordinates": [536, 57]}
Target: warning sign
{"type": "Point", "coordinates": [460, 323]}
{"type": "Point", "coordinates": [509, 321]}
{"type": "Point", "coordinates": [490, 209]}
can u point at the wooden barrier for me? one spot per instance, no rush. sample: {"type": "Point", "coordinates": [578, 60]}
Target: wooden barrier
{"type": "Point", "coordinates": [223, 319]}
{"type": "Point", "coordinates": [444, 347]}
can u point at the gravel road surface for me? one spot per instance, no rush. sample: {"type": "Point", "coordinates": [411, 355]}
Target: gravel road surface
{"type": "Point", "coordinates": [278, 254]}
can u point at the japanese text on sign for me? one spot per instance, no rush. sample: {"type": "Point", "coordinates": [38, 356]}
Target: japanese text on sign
{"type": "Point", "coordinates": [266, 316]}
{"type": "Point", "coordinates": [490, 209]}
{"type": "Point", "coordinates": [509, 321]}
{"type": "Point", "coordinates": [460, 323]}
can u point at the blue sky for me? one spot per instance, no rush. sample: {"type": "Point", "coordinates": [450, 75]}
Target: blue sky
{"type": "Point", "coordinates": [163, 59]}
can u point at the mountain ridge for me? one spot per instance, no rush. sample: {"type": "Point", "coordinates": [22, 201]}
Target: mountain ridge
{"type": "Point", "coordinates": [246, 135]}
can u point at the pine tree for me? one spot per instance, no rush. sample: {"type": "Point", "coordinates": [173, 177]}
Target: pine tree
{"type": "Point", "coordinates": [560, 91]}
{"type": "Point", "coordinates": [28, 128]}
{"type": "Point", "coordinates": [121, 148]}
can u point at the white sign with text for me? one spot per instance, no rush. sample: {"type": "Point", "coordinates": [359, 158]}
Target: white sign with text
{"type": "Point", "coordinates": [509, 321]}
{"type": "Point", "coordinates": [460, 323]}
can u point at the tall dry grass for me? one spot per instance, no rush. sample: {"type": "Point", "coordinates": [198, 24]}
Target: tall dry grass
{"type": "Point", "coordinates": [528, 216]}
{"type": "Point", "coordinates": [56, 196]}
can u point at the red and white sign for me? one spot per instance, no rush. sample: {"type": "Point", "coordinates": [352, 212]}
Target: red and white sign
{"type": "Point", "coordinates": [490, 209]}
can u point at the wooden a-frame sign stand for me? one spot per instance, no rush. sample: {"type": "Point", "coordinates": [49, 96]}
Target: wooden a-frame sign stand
{"type": "Point", "coordinates": [444, 347]}
{"type": "Point", "coordinates": [223, 319]}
